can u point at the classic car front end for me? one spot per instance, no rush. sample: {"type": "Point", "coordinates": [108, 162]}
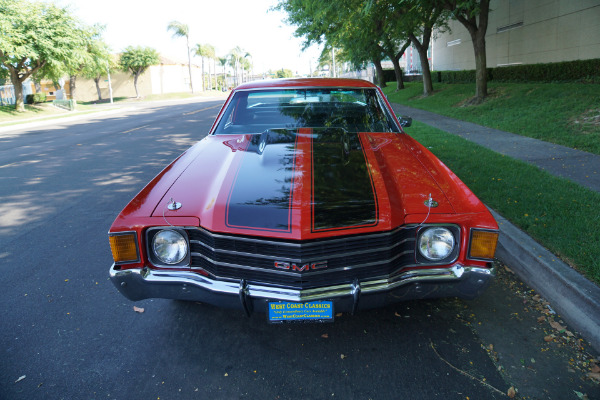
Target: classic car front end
{"type": "Point", "coordinates": [305, 195]}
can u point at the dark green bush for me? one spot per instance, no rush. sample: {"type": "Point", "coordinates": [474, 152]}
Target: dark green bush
{"type": "Point", "coordinates": [567, 71]}
{"type": "Point", "coordinates": [35, 98]}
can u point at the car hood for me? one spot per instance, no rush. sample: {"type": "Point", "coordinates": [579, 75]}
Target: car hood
{"type": "Point", "coordinates": [308, 183]}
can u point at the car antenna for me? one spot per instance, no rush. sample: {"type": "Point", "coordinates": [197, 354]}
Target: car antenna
{"type": "Point", "coordinates": [173, 206]}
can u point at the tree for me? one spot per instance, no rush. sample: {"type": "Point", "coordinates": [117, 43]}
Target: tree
{"type": "Point", "coordinates": [100, 67]}
{"type": "Point", "coordinates": [339, 25]}
{"type": "Point", "coordinates": [246, 65]}
{"type": "Point", "coordinates": [205, 51]}
{"type": "Point", "coordinates": [182, 30]}
{"type": "Point", "coordinates": [223, 63]}
{"type": "Point", "coordinates": [36, 35]}
{"type": "Point", "coordinates": [235, 57]}
{"type": "Point", "coordinates": [426, 16]}
{"type": "Point", "coordinates": [473, 14]}
{"type": "Point", "coordinates": [90, 60]}
{"type": "Point", "coordinates": [284, 73]}
{"type": "Point", "coordinates": [137, 60]}
{"type": "Point", "coordinates": [362, 28]}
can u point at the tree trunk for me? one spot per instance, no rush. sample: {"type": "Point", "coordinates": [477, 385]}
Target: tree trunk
{"type": "Point", "coordinates": [397, 69]}
{"type": "Point", "coordinates": [97, 81]}
{"type": "Point", "coordinates": [135, 79]}
{"type": "Point", "coordinates": [480, 67]}
{"type": "Point", "coordinates": [422, 50]}
{"type": "Point", "coordinates": [398, 73]}
{"type": "Point", "coordinates": [478, 38]}
{"type": "Point", "coordinates": [38, 86]}
{"type": "Point", "coordinates": [202, 73]}
{"type": "Point", "coordinates": [18, 86]}
{"type": "Point", "coordinates": [215, 73]}
{"type": "Point", "coordinates": [379, 70]}
{"type": "Point", "coordinates": [73, 86]}
{"type": "Point", "coordinates": [187, 42]}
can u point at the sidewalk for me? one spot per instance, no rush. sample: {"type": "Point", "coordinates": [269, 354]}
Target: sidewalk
{"type": "Point", "coordinates": [578, 166]}
{"type": "Point", "coordinates": [574, 297]}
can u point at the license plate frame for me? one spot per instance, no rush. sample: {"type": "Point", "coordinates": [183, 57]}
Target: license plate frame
{"type": "Point", "coordinates": [308, 311]}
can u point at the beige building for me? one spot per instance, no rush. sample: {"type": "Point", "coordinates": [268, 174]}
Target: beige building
{"type": "Point", "coordinates": [526, 32]}
{"type": "Point", "coordinates": [167, 77]}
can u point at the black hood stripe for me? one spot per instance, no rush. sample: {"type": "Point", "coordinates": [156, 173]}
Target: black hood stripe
{"type": "Point", "coordinates": [343, 193]}
{"type": "Point", "coordinates": [261, 195]}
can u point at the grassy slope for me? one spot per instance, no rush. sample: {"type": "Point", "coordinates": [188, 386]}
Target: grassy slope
{"type": "Point", "coordinates": [561, 215]}
{"type": "Point", "coordinates": [562, 113]}
{"type": "Point", "coordinates": [558, 213]}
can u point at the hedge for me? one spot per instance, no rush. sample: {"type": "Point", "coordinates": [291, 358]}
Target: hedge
{"type": "Point", "coordinates": [35, 98]}
{"type": "Point", "coordinates": [567, 71]}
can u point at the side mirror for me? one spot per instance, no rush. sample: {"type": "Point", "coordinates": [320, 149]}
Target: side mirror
{"type": "Point", "coordinates": [405, 121]}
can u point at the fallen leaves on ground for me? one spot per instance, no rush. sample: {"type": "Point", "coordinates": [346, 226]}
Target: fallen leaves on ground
{"type": "Point", "coordinates": [511, 392]}
{"type": "Point", "coordinates": [557, 326]}
{"type": "Point", "coordinates": [594, 375]}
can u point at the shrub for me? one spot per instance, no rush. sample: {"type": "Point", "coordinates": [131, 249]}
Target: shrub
{"type": "Point", "coordinates": [35, 98]}
{"type": "Point", "coordinates": [566, 71]}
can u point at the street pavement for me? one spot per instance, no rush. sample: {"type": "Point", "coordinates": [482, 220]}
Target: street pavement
{"type": "Point", "coordinates": [574, 297]}
{"type": "Point", "coordinates": [67, 333]}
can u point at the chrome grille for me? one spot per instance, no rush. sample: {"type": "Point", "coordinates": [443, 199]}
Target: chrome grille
{"type": "Point", "coordinates": [348, 257]}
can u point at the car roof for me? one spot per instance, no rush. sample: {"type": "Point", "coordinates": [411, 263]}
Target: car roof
{"type": "Point", "coordinates": [306, 82]}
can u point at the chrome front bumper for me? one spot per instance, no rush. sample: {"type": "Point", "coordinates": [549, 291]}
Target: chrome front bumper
{"type": "Point", "coordinates": [458, 281]}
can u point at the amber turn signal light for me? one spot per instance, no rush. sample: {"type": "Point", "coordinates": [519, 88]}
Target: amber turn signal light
{"type": "Point", "coordinates": [483, 244]}
{"type": "Point", "coordinates": [124, 247]}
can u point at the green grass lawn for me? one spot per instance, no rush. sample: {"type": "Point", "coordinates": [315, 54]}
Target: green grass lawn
{"type": "Point", "coordinates": [559, 214]}
{"type": "Point", "coordinates": [562, 113]}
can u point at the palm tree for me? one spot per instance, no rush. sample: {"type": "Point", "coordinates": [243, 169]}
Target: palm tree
{"type": "Point", "coordinates": [223, 63]}
{"type": "Point", "coordinates": [235, 56]}
{"type": "Point", "coordinates": [247, 64]}
{"type": "Point", "coordinates": [210, 54]}
{"type": "Point", "coordinates": [204, 51]}
{"type": "Point", "coordinates": [180, 30]}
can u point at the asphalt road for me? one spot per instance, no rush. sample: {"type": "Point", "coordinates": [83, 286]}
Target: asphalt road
{"type": "Point", "coordinates": [66, 333]}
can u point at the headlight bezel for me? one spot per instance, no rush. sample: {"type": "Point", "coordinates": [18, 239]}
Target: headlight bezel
{"type": "Point", "coordinates": [454, 253]}
{"type": "Point", "coordinates": [155, 259]}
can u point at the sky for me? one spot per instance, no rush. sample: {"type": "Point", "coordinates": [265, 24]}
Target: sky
{"type": "Point", "coordinates": [224, 24]}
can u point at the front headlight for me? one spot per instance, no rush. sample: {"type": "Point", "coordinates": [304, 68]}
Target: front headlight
{"type": "Point", "coordinates": [169, 246]}
{"type": "Point", "coordinates": [436, 243]}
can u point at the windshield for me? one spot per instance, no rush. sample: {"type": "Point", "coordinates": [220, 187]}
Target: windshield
{"type": "Point", "coordinates": [355, 110]}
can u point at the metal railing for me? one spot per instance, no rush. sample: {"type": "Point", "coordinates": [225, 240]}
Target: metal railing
{"type": "Point", "coordinates": [65, 104]}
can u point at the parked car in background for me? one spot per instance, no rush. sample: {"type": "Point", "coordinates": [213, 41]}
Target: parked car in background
{"type": "Point", "coordinates": [305, 199]}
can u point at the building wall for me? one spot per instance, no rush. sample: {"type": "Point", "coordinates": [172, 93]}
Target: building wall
{"type": "Point", "coordinates": [158, 79]}
{"type": "Point", "coordinates": [526, 32]}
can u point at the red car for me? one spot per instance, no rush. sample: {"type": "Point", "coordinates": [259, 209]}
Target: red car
{"type": "Point", "coordinates": [305, 199]}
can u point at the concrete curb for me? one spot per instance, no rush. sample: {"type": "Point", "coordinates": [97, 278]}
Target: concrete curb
{"type": "Point", "coordinates": [575, 298]}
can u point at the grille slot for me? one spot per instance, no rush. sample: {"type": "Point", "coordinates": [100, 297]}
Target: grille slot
{"type": "Point", "coordinates": [348, 258]}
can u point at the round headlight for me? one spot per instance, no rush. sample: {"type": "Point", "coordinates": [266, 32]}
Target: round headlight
{"type": "Point", "coordinates": [170, 247]}
{"type": "Point", "coordinates": [437, 243]}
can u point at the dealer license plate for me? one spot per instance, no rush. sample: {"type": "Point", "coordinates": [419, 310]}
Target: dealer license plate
{"type": "Point", "coordinates": [317, 311]}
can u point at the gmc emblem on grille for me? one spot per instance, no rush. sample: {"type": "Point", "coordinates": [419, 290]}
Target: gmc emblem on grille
{"type": "Point", "coordinates": [300, 268]}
